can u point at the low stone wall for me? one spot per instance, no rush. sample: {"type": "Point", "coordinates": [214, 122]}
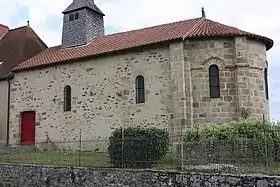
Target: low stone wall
{"type": "Point", "coordinates": [27, 176]}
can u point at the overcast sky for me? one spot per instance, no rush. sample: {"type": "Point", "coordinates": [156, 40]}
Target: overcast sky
{"type": "Point", "coordinates": [257, 16]}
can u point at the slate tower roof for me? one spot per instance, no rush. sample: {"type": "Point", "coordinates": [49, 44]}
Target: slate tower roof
{"type": "Point", "coordinates": [79, 4]}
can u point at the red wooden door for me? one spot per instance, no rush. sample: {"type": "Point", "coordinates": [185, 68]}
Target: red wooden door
{"type": "Point", "coordinates": [28, 128]}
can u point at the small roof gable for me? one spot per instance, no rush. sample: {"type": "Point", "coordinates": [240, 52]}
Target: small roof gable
{"type": "Point", "coordinates": [78, 4]}
{"type": "Point", "coordinates": [3, 30]}
{"type": "Point", "coordinates": [17, 46]}
{"type": "Point", "coordinates": [187, 29]}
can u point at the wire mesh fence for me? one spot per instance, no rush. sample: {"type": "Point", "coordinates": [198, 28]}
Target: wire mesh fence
{"type": "Point", "coordinates": [244, 155]}
{"type": "Point", "coordinates": [90, 153]}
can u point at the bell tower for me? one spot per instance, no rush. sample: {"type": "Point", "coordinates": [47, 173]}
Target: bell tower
{"type": "Point", "coordinates": [82, 22]}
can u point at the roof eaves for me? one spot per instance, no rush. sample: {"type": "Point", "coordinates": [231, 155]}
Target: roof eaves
{"type": "Point", "coordinates": [19, 69]}
{"type": "Point", "coordinates": [267, 41]}
{"type": "Point", "coordinates": [92, 7]}
{"type": "Point", "coordinates": [7, 77]}
{"type": "Point", "coordinates": [186, 35]}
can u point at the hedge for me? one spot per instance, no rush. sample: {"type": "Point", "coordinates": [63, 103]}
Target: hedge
{"type": "Point", "coordinates": [247, 141]}
{"type": "Point", "coordinates": [140, 147]}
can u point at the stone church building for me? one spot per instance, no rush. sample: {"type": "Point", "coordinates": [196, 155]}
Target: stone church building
{"type": "Point", "coordinates": [187, 72]}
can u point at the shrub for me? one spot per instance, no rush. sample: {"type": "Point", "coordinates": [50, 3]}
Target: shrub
{"type": "Point", "coordinates": [140, 147]}
{"type": "Point", "coordinates": [243, 141]}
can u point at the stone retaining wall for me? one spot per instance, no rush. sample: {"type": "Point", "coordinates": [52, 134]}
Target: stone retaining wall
{"type": "Point", "coordinates": [26, 176]}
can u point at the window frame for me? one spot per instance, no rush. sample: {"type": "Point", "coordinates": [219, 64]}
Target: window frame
{"type": "Point", "coordinates": [266, 83]}
{"type": "Point", "coordinates": [67, 98]}
{"type": "Point", "coordinates": [140, 95]}
{"type": "Point", "coordinates": [76, 16]}
{"type": "Point", "coordinates": [214, 73]}
{"type": "Point", "coordinates": [71, 17]}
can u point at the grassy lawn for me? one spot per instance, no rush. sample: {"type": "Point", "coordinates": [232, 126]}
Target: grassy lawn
{"type": "Point", "coordinates": [99, 159]}
{"type": "Point", "coordinates": [83, 159]}
{"type": "Point", "coordinates": [58, 158]}
{"type": "Point", "coordinates": [270, 170]}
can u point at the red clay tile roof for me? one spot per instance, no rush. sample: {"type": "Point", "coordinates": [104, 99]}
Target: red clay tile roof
{"type": "Point", "coordinates": [3, 30]}
{"type": "Point", "coordinates": [192, 28]}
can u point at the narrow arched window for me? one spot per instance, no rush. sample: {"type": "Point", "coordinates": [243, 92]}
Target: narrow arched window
{"type": "Point", "coordinates": [67, 98]}
{"type": "Point", "coordinates": [266, 83]}
{"type": "Point", "coordinates": [214, 81]}
{"type": "Point", "coordinates": [140, 89]}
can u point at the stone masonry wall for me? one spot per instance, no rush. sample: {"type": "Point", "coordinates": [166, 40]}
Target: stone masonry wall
{"type": "Point", "coordinates": [178, 88]}
{"type": "Point", "coordinates": [4, 88]}
{"type": "Point", "coordinates": [200, 54]}
{"type": "Point", "coordinates": [241, 64]}
{"type": "Point", "coordinates": [250, 63]}
{"type": "Point", "coordinates": [103, 96]}
{"type": "Point", "coordinates": [257, 61]}
{"type": "Point", "coordinates": [26, 176]}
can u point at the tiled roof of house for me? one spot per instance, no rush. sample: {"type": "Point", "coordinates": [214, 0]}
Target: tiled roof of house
{"type": "Point", "coordinates": [17, 46]}
{"type": "Point", "coordinates": [3, 30]}
{"type": "Point", "coordinates": [192, 28]}
{"type": "Point", "coordinates": [78, 4]}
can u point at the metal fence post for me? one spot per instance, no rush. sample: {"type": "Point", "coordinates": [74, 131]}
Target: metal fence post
{"type": "Point", "coordinates": [80, 147]}
{"type": "Point", "coordinates": [122, 146]}
{"type": "Point", "coordinates": [265, 145]}
{"type": "Point", "coordinates": [182, 145]}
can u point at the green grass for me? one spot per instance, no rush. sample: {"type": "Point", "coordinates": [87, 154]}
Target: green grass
{"type": "Point", "coordinates": [68, 158]}
{"type": "Point", "coordinates": [101, 159]}
{"type": "Point", "coordinates": [269, 170]}
{"type": "Point", "coordinates": [58, 158]}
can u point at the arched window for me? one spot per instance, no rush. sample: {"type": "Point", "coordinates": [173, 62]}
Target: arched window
{"type": "Point", "coordinates": [67, 98]}
{"type": "Point", "coordinates": [214, 81]}
{"type": "Point", "coordinates": [266, 83]}
{"type": "Point", "coordinates": [140, 89]}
